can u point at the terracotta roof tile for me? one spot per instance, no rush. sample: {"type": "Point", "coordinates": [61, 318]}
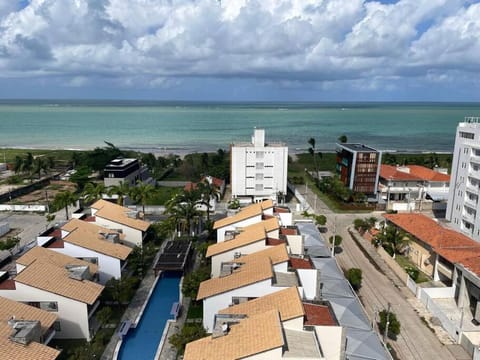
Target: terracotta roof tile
{"type": "Point", "coordinates": [87, 235]}
{"type": "Point", "coordinates": [44, 275]}
{"type": "Point", "coordinates": [277, 254]}
{"type": "Point", "coordinates": [53, 257]}
{"type": "Point", "coordinates": [415, 173]}
{"type": "Point", "coordinates": [245, 213]}
{"type": "Point", "coordinates": [319, 315]}
{"type": "Point", "coordinates": [250, 336]}
{"type": "Point", "coordinates": [287, 302]}
{"type": "Point", "coordinates": [118, 214]}
{"type": "Point", "coordinates": [249, 235]}
{"type": "Point", "coordinates": [253, 272]}
{"type": "Point", "coordinates": [297, 263]}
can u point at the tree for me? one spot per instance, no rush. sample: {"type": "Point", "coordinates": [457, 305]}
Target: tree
{"type": "Point", "coordinates": [312, 150]}
{"type": "Point", "coordinates": [393, 324]}
{"type": "Point", "coordinates": [39, 164]}
{"type": "Point", "coordinates": [93, 191]}
{"type": "Point", "coordinates": [122, 190]}
{"type": "Point", "coordinates": [49, 218]}
{"type": "Point", "coordinates": [343, 139]}
{"type": "Point", "coordinates": [393, 240]}
{"type": "Point", "coordinates": [354, 277]}
{"type": "Point", "coordinates": [192, 281]}
{"type": "Point", "coordinates": [182, 209]}
{"type": "Point", "coordinates": [64, 199]}
{"type": "Point", "coordinates": [103, 315]}
{"type": "Point", "coordinates": [208, 191]}
{"type": "Point", "coordinates": [338, 240]}
{"type": "Point", "coordinates": [81, 176]}
{"type": "Point", "coordinates": [189, 332]}
{"type": "Point", "coordinates": [142, 193]}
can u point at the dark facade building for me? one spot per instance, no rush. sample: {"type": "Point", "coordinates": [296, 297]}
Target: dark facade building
{"type": "Point", "coordinates": [128, 171]}
{"type": "Point", "coordinates": [358, 167]}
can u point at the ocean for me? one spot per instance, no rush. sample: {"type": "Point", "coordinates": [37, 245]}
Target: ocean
{"type": "Point", "coordinates": [182, 127]}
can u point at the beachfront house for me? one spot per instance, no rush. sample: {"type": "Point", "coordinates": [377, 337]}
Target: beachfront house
{"type": "Point", "coordinates": [25, 331]}
{"type": "Point", "coordinates": [258, 168]}
{"type": "Point", "coordinates": [413, 187]}
{"type": "Point", "coordinates": [122, 220]}
{"type": "Point", "coordinates": [90, 242]}
{"type": "Point", "coordinates": [58, 283]}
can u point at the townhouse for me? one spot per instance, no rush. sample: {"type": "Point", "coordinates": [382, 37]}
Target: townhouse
{"type": "Point", "coordinates": [25, 331]}
{"type": "Point", "coordinates": [122, 220]}
{"type": "Point", "coordinates": [90, 242]}
{"type": "Point", "coordinates": [59, 283]}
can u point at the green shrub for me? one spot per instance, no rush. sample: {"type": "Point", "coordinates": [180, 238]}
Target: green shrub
{"type": "Point", "coordinates": [354, 277]}
{"type": "Point", "coordinates": [393, 326]}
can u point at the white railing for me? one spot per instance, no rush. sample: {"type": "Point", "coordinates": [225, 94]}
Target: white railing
{"type": "Point", "coordinates": [23, 208]}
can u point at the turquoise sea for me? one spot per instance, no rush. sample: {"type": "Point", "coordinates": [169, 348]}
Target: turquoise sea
{"type": "Point", "coordinates": [189, 127]}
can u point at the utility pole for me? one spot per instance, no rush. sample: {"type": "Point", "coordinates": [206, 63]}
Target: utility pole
{"type": "Point", "coordinates": [387, 323]}
{"type": "Point", "coordinates": [334, 235]}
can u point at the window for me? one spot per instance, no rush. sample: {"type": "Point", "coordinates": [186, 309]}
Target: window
{"type": "Point", "coordinates": [467, 135]}
{"type": "Point", "coordinates": [259, 166]}
{"type": "Point", "coordinates": [258, 176]}
{"type": "Point", "coordinates": [258, 187]}
{"type": "Point", "coordinates": [259, 155]}
{"type": "Point", "coordinates": [44, 305]}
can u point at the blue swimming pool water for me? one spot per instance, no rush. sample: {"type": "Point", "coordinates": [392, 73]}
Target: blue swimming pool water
{"type": "Point", "coordinates": [141, 343]}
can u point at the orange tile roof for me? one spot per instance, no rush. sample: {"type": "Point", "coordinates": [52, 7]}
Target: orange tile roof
{"type": "Point", "coordinates": [450, 244]}
{"type": "Point", "coordinates": [253, 335]}
{"type": "Point", "coordinates": [253, 272]}
{"type": "Point", "coordinates": [250, 234]}
{"type": "Point", "coordinates": [47, 276]}
{"type": "Point", "coordinates": [297, 263]}
{"type": "Point", "coordinates": [118, 214]}
{"type": "Point", "coordinates": [53, 257]}
{"type": "Point", "coordinates": [277, 254]}
{"type": "Point", "coordinates": [317, 315]}
{"type": "Point", "coordinates": [87, 235]}
{"type": "Point", "coordinates": [14, 351]}
{"type": "Point", "coordinates": [245, 213]}
{"type": "Point", "coordinates": [416, 173]}
{"type": "Point", "coordinates": [287, 302]}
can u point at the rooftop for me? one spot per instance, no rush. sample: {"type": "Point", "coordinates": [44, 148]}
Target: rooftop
{"type": "Point", "coordinates": [47, 276]}
{"type": "Point", "coordinates": [316, 314]}
{"type": "Point", "coordinates": [54, 258]}
{"type": "Point", "coordinates": [248, 235]}
{"type": "Point", "coordinates": [287, 302]}
{"type": "Point", "coordinates": [118, 214]}
{"type": "Point", "coordinates": [357, 147]}
{"type": "Point", "coordinates": [250, 336]}
{"type": "Point", "coordinates": [245, 213]}
{"type": "Point", "coordinates": [301, 344]}
{"type": "Point", "coordinates": [254, 271]}
{"type": "Point", "coordinates": [91, 236]}
{"type": "Point", "coordinates": [412, 173]}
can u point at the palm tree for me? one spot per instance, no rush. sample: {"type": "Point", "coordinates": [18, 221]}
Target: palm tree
{"type": "Point", "coordinates": [208, 191]}
{"type": "Point", "coordinates": [142, 193]}
{"type": "Point", "coordinates": [93, 191]}
{"type": "Point", "coordinates": [182, 209]}
{"type": "Point", "coordinates": [122, 190]}
{"type": "Point", "coordinates": [313, 151]}
{"type": "Point", "coordinates": [39, 164]}
{"type": "Point", "coordinates": [64, 199]}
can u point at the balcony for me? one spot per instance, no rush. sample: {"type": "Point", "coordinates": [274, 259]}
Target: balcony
{"type": "Point", "coordinates": [469, 217]}
{"type": "Point", "coordinates": [471, 202]}
{"type": "Point", "coordinates": [473, 188]}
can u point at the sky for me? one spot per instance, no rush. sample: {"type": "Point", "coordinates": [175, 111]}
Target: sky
{"type": "Point", "coordinates": [241, 50]}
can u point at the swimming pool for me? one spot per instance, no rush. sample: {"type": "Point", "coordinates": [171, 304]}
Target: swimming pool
{"type": "Point", "coordinates": [141, 342]}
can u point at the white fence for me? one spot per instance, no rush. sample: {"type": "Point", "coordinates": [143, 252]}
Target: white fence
{"type": "Point", "coordinates": [426, 296]}
{"type": "Point", "coordinates": [23, 208]}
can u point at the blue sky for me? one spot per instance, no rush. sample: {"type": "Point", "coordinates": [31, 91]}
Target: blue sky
{"type": "Point", "coordinates": [240, 50]}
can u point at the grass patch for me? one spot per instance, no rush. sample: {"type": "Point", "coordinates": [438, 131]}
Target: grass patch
{"type": "Point", "coordinates": [64, 155]}
{"type": "Point", "coordinates": [405, 263]}
{"type": "Point", "coordinates": [162, 194]}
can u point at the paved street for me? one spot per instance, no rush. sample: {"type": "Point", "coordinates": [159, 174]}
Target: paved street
{"type": "Point", "coordinates": [416, 341]}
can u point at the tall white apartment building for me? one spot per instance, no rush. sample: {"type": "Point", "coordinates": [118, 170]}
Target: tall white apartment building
{"type": "Point", "coordinates": [258, 169]}
{"type": "Point", "coordinates": [463, 208]}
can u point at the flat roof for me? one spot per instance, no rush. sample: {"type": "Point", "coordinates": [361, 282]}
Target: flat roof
{"type": "Point", "coordinates": [357, 147]}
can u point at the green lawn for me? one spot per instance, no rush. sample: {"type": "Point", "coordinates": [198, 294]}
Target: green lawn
{"type": "Point", "coordinates": [10, 154]}
{"type": "Point", "coordinates": [162, 194]}
{"type": "Point", "coordinates": [195, 311]}
{"type": "Point", "coordinates": [405, 262]}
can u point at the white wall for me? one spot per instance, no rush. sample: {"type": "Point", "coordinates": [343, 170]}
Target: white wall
{"type": "Point", "coordinates": [295, 244]}
{"type": "Point", "coordinates": [229, 255]}
{"type": "Point", "coordinates": [72, 314]}
{"type": "Point", "coordinates": [286, 219]}
{"type": "Point", "coordinates": [309, 280]}
{"type": "Point", "coordinates": [273, 354]}
{"type": "Point", "coordinates": [213, 304]}
{"type": "Point", "coordinates": [330, 338]}
{"type": "Point", "coordinates": [133, 237]}
{"type": "Point", "coordinates": [108, 266]}
{"type": "Point", "coordinates": [281, 267]}
{"type": "Point", "coordinates": [294, 324]}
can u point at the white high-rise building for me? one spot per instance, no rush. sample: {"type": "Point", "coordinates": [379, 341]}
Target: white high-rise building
{"type": "Point", "coordinates": [258, 169]}
{"type": "Point", "coordinates": [463, 208]}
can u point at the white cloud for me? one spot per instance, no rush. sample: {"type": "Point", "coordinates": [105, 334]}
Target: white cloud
{"type": "Point", "coordinates": [162, 42]}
